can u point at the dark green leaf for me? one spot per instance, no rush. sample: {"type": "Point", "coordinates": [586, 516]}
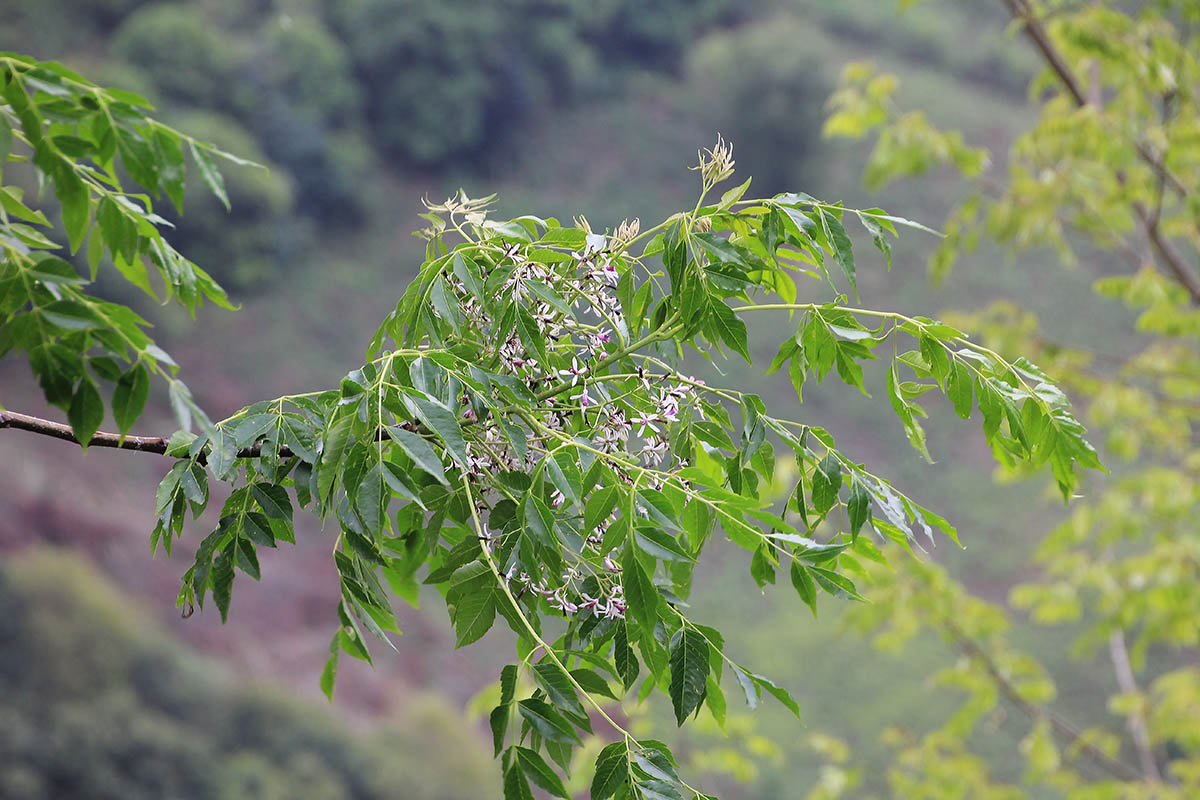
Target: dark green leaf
{"type": "Point", "coordinates": [442, 421]}
{"type": "Point", "coordinates": [420, 451]}
{"type": "Point", "coordinates": [86, 412]}
{"type": "Point", "coordinates": [611, 771]}
{"type": "Point", "coordinates": [640, 594]}
{"type": "Point", "coordinates": [546, 721]}
{"type": "Point", "coordinates": [730, 329]}
{"type": "Point", "coordinates": [516, 787]}
{"type": "Point", "coordinates": [129, 397]}
{"type": "Point", "coordinates": [804, 585]}
{"type": "Point", "coordinates": [689, 671]}
{"type": "Point", "coordinates": [835, 584]}
{"type": "Point", "coordinates": [660, 544]}
{"type": "Point", "coordinates": [557, 686]}
{"type": "Point", "coordinates": [273, 500]}
{"type": "Point", "coordinates": [538, 771]}
{"type": "Point", "coordinates": [498, 722]}
{"type": "Point", "coordinates": [858, 506]}
{"type": "Point", "coordinates": [826, 481]}
{"type": "Point", "coordinates": [508, 683]}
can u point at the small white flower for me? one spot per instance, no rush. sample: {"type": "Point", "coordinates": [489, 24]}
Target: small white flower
{"type": "Point", "coordinates": [645, 422]}
{"type": "Point", "coordinates": [573, 372]}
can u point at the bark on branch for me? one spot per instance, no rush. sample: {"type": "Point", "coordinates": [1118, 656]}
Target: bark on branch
{"type": "Point", "coordinates": [142, 444]}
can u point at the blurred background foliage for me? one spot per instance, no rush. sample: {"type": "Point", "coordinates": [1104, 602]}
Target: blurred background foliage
{"type": "Point", "coordinates": [97, 702]}
{"type": "Point", "coordinates": [360, 107]}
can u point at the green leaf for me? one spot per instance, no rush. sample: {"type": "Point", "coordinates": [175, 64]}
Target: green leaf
{"type": "Point", "coordinates": [876, 230]}
{"type": "Point", "coordinates": [516, 787]}
{"type": "Point", "coordinates": [546, 721]}
{"type": "Point", "coordinates": [329, 673]}
{"type": "Point", "coordinates": [935, 355]}
{"type": "Point", "coordinates": [446, 306]}
{"type": "Point", "coordinates": [624, 658]}
{"type": "Point", "coordinates": [498, 722]}
{"type": "Point", "coordinates": [843, 252]}
{"type": "Point", "coordinates": [748, 686]}
{"type": "Point", "coordinates": [208, 173]}
{"type": "Point", "coordinates": [826, 481]}
{"type": "Point", "coordinates": [730, 329]}
{"type": "Point", "coordinates": [611, 770]}
{"type": "Point", "coordinates": [714, 698]}
{"type": "Point", "coordinates": [835, 584]}
{"type": "Point", "coordinates": [538, 771]}
{"type": "Point", "coordinates": [659, 508]}
{"type": "Point", "coordinates": [508, 683]}
{"type": "Point", "coordinates": [858, 507]}
{"type": "Point", "coordinates": [420, 451]}
{"type": "Point", "coordinates": [336, 438]}
{"type": "Point", "coordinates": [958, 387]}
{"type": "Point", "coordinates": [539, 519]}
{"type": "Point", "coordinates": [804, 585]}
{"type": "Point", "coordinates": [689, 671]}
{"type": "Point", "coordinates": [129, 397]}
{"type": "Point", "coordinates": [778, 693]}
{"type": "Point", "coordinates": [442, 421]}
{"type": "Point", "coordinates": [222, 579]}
{"type": "Point", "coordinates": [640, 594]}
{"type": "Point", "coordinates": [550, 296]}
{"type": "Point", "coordinates": [658, 790]}
{"type": "Point", "coordinates": [86, 412]}
{"type": "Point", "coordinates": [76, 209]}
{"type": "Point", "coordinates": [564, 474]}
{"type": "Point", "coordinates": [593, 683]}
{"type": "Point", "coordinates": [472, 594]}
{"type": "Point", "coordinates": [557, 686]}
{"type": "Point", "coordinates": [660, 544]}
{"type": "Point", "coordinates": [273, 500]}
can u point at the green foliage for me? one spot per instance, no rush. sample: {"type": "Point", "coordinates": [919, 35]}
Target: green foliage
{"type": "Point", "coordinates": [521, 435]}
{"type": "Point", "coordinates": [74, 135]}
{"type": "Point", "coordinates": [99, 703]}
{"type": "Point", "coordinates": [1107, 168]}
{"type": "Point", "coordinates": [448, 46]}
{"type": "Point", "coordinates": [758, 83]}
{"type": "Point", "coordinates": [307, 116]}
{"type": "Point", "coordinates": [203, 61]}
{"type": "Point", "coordinates": [246, 249]}
{"type": "Point", "coordinates": [490, 70]}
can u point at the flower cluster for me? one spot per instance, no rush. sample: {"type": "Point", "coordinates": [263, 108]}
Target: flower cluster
{"type": "Point", "coordinates": [608, 604]}
{"type": "Point", "coordinates": [573, 304]}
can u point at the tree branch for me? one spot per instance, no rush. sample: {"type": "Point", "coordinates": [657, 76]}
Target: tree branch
{"type": "Point", "coordinates": [1071, 734]}
{"type": "Point", "coordinates": [1022, 11]}
{"type": "Point", "coordinates": [142, 444]}
{"type": "Point", "coordinates": [1137, 720]}
{"type": "Point", "coordinates": [1037, 34]}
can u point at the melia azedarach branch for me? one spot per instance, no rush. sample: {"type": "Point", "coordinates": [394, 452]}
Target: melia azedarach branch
{"type": "Point", "coordinates": [521, 435]}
